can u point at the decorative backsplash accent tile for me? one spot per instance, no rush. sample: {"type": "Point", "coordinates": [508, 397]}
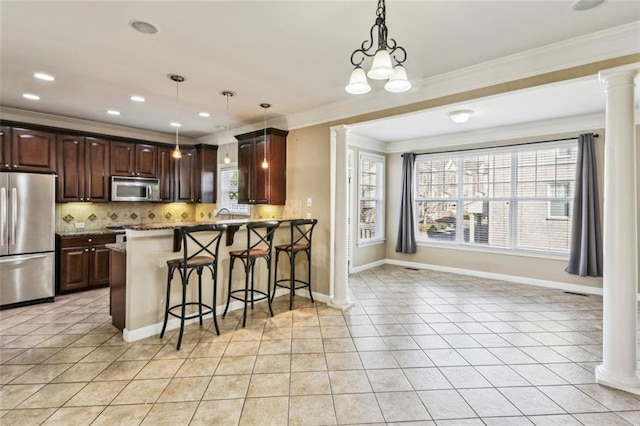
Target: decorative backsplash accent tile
{"type": "Point", "coordinates": [151, 215]}
{"type": "Point", "coordinates": [168, 215]}
{"type": "Point", "coordinates": [68, 218]}
{"type": "Point", "coordinates": [133, 216]}
{"type": "Point", "coordinates": [113, 216]}
{"type": "Point", "coordinates": [92, 217]}
{"type": "Point", "coordinates": [184, 215]}
{"type": "Point", "coordinates": [201, 215]}
{"type": "Point", "coordinates": [210, 215]}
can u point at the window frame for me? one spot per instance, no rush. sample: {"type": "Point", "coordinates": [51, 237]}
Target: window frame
{"type": "Point", "coordinates": [513, 246]}
{"type": "Point", "coordinates": [223, 167]}
{"type": "Point", "coordinates": [379, 199]}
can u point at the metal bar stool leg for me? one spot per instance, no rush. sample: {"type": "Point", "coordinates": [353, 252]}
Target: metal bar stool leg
{"type": "Point", "coordinates": [231, 262]}
{"type": "Point", "coordinates": [184, 308]}
{"type": "Point", "coordinates": [214, 278]}
{"type": "Point", "coordinates": [170, 272]}
{"type": "Point", "coordinates": [309, 273]}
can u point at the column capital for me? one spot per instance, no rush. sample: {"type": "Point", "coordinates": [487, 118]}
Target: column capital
{"type": "Point", "coordinates": [341, 129]}
{"type": "Point", "coordinates": [619, 76]}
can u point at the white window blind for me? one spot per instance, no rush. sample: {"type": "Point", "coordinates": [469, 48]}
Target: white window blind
{"type": "Point", "coordinates": [370, 198]}
{"type": "Point", "coordinates": [228, 193]}
{"type": "Point", "coordinates": [516, 198]}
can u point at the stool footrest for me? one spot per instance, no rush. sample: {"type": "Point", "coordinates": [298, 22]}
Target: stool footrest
{"type": "Point", "coordinates": [288, 280]}
{"type": "Point", "coordinates": [209, 310]}
{"type": "Point", "coordinates": [262, 296]}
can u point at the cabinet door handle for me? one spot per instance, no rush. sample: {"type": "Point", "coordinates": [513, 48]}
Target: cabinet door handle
{"type": "Point", "coordinates": [86, 249]}
{"type": "Point", "coordinates": [81, 199]}
{"type": "Point", "coordinates": [89, 240]}
{"type": "Point", "coordinates": [93, 249]}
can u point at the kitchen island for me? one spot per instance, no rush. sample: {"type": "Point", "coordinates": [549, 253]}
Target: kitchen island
{"type": "Point", "coordinates": [148, 247]}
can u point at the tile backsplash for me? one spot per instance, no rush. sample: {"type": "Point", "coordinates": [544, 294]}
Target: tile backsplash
{"type": "Point", "coordinates": [96, 216]}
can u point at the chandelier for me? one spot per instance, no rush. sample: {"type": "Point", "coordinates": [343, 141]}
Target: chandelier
{"type": "Point", "coordinates": [382, 67]}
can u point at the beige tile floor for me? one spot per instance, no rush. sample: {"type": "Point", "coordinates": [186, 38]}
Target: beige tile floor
{"type": "Point", "coordinates": [418, 346]}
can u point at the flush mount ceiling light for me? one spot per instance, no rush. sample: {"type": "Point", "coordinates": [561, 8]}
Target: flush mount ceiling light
{"type": "Point", "coordinates": [178, 79]}
{"type": "Point", "coordinates": [582, 5]}
{"type": "Point", "coordinates": [460, 116]}
{"type": "Point", "coordinates": [143, 27]}
{"type": "Point", "coordinates": [382, 67]}
{"type": "Point", "coordinates": [137, 98]}
{"type": "Point", "coordinates": [227, 94]}
{"type": "Point", "coordinates": [31, 96]}
{"type": "Point", "coordinates": [44, 76]}
{"type": "Point", "coordinates": [265, 164]}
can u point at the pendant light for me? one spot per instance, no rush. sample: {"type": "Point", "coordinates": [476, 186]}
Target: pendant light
{"type": "Point", "coordinates": [178, 79]}
{"type": "Point", "coordinates": [265, 164]}
{"type": "Point", "coordinates": [227, 94]}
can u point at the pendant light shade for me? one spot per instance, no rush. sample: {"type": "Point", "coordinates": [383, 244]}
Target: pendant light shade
{"type": "Point", "coordinates": [176, 153]}
{"type": "Point", "coordinates": [381, 68]}
{"type": "Point", "coordinates": [358, 84]}
{"type": "Point", "coordinates": [227, 94]}
{"type": "Point", "coordinates": [398, 83]}
{"type": "Point", "coordinates": [265, 164]}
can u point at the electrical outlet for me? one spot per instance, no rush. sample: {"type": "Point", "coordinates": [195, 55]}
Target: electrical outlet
{"type": "Point", "coordinates": [309, 215]}
{"type": "Point", "coordinates": [80, 225]}
{"type": "Point", "coordinates": [309, 202]}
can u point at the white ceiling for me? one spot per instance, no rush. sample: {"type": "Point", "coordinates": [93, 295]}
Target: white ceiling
{"type": "Point", "coordinates": [292, 54]}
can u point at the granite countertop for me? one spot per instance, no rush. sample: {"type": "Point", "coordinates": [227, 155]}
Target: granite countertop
{"type": "Point", "coordinates": [166, 225]}
{"type": "Point", "coordinates": [119, 247]}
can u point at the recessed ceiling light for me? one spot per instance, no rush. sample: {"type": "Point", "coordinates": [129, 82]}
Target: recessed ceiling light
{"type": "Point", "coordinates": [113, 112]}
{"type": "Point", "coordinates": [204, 114]}
{"type": "Point", "coordinates": [581, 5]}
{"type": "Point", "coordinates": [460, 116]}
{"type": "Point", "coordinates": [174, 124]}
{"type": "Point", "coordinates": [136, 98]}
{"type": "Point", "coordinates": [143, 27]}
{"type": "Point", "coordinates": [44, 76]}
{"type": "Point", "coordinates": [31, 96]}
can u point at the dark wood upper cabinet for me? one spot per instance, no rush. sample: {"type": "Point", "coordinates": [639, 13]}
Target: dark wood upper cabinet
{"type": "Point", "coordinates": [83, 169]}
{"type": "Point", "coordinates": [133, 159]}
{"type": "Point", "coordinates": [166, 173]}
{"type": "Point", "coordinates": [146, 160]}
{"type": "Point", "coordinates": [32, 151]}
{"type": "Point", "coordinates": [185, 174]}
{"type": "Point", "coordinates": [5, 147]}
{"type": "Point", "coordinates": [257, 185]}
{"type": "Point", "coordinates": [206, 173]}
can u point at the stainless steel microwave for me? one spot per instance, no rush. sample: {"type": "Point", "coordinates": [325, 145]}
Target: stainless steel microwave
{"type": "Point", "coordinates": [134, 189]}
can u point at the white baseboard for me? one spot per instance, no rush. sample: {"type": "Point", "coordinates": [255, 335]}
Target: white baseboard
{"type": "Point", "coordinates": [357, 269]}
{"type": "Point", "coordinates": [574, 288]}
{"type": "Point", "coordinates": [174, 323]}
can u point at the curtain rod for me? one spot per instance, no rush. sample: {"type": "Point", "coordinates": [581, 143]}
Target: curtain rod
{"type": "Point", "coordinates": [595, 135]}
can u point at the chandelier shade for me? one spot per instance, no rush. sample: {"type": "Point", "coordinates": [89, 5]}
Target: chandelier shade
{"type": "Point", "coordinates": [398, 83]}
{"type": "Point", "coordinates": [358, 82]}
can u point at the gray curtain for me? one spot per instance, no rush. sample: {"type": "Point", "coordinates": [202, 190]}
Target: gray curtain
{"type": "Point", "coordinates": [585, 251]}
{"type": "Point", "coordinates": [406, 228]}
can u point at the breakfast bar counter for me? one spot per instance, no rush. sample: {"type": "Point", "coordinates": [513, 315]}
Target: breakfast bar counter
{"type": "Point", "coordinates": [145, 255]}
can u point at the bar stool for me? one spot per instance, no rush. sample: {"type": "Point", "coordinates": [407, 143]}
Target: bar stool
{"type": "Point", "coordinates": [300, 242]}
{"type": "Point", "coordinates": [261, 233]}
{"type": "Point", "coordinates": [197, 255]}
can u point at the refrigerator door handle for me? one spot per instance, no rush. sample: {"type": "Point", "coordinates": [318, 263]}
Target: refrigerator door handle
{"type": "Point", "coordinates": [14, 215]}
{"type": "Point", "coordinates": [14, 259]}
{"type": "Point", "coordinates": [3, 215]}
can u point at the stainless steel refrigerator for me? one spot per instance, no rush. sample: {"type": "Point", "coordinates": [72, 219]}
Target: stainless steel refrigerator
{"type": "Point", "coordinates": [27, 244]}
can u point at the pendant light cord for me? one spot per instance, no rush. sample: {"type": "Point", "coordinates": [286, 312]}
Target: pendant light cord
{"type": "Point", "coordinates": [177, 118]}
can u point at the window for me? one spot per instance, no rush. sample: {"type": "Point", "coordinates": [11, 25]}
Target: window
{"type": "Point", "coordinates": [371, 198]}
{"type": "Point", "coordinates": [500, 197]}
{"type": "Point", "coordinates": [228, 195]}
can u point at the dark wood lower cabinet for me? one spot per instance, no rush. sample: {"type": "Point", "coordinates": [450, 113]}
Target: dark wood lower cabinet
{"type": "Point", "coordinates": [83, 262]}
{"type": "Point", "coordinates": [118, 288]}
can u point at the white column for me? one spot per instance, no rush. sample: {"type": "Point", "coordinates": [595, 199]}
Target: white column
{"type": "Point", "coordinates": [340, 188]}
{"type": "Point", "coordinates": [620, 281]}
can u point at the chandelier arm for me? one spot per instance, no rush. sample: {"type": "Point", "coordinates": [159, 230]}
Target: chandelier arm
{"type": "Point", "coordinates": [399, 49]}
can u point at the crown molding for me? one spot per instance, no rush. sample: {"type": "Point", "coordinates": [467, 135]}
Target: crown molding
{"type": "Point", "coordinates": [364, 142]}
{"type": "Point", "coordinates": [602, 45]}
{"type": "Point", "coordinates": [542, 128]}
{"type": "Point", "coordinates": [63, 122]}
